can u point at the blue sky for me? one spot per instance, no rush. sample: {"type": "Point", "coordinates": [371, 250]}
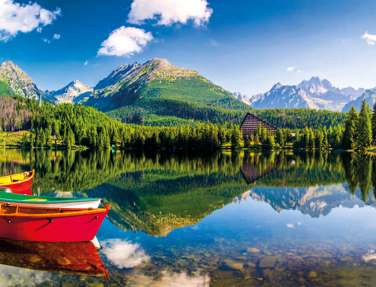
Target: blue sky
{"type": "Point", "coordinates": [242, 45]}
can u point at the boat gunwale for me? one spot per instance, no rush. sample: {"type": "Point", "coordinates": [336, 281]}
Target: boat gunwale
{"type": "Point", "coordinates": [48, 200]}
{"type": "Point", "coordinates": [60, 212]}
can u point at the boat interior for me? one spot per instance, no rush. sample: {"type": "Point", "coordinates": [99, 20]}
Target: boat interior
{"type": "Point", "coordinates": [7, 179]}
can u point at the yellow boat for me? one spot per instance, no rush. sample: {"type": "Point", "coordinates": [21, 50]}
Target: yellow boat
{"type": "Point", "coordinates": [18, 183]}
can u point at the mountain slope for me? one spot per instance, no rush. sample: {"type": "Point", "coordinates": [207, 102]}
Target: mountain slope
{"type": "Point", "coordinates": [75, 92]}
{"type": "Point", "coordinates": [369, 96]}
{"type": "Point", "coordinates": [159, 88]}
{"type": "Point", "coordinates": [315, 93]}
{"type": "Point", "coordinates": [14, 81]}
{"type": "Point", "coordinates": [284, 97]}
{"type": "Point", "coordinates": [326, 95]}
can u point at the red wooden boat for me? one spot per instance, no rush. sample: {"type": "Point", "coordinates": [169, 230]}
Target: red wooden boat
{"type": "Point", "coordinates": [50, 224]}
{"type": "Point", "coordinates": [18, 183]}
{"type": "Point", "coordinates": [76, 257]}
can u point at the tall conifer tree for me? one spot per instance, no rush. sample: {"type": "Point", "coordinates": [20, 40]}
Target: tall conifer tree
{"type": "Point", "coordinates": [349, 136]}
{"type": "Point", "coordinates": [364, 138]}
{"type": "Point", "coordinates": [374, 124]}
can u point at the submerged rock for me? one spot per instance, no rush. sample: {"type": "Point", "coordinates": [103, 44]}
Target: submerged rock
{"type": "Point", "coordinates": [268, 261]}
{"type": "Point", "coordinates": [312, 274]}
{"type": "Point", "coordinates": [235, 265]}
{"type": "Point", "coordinates": [253, 250]}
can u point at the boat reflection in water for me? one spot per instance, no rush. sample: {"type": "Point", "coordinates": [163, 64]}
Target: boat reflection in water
{"type": "Point", "coordinates": [78, 258]}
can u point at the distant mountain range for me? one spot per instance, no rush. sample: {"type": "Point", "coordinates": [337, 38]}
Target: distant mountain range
{"type": "Point", "coordinates": [369, 96]}
{"type": "Point", "coordinates": [315, 93]}
{"type": "Point", "coordinates": [158, 89]}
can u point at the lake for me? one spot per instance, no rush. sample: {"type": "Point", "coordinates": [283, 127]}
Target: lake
{"type": "Point", "coordinates": [241, 219]}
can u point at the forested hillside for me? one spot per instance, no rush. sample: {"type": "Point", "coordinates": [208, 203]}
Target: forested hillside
{"type": "Point", "coordinates": [301, 118]}
{"type": "Point", "coordinates": [69, 125]}
{"type": "Point", "coordinates": [15, 114]}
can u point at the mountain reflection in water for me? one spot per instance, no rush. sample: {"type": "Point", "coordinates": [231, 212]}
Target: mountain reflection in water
{"type": "Point", "coordinates": [229, 219]}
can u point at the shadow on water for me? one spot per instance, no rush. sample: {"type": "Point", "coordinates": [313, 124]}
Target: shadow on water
{"type": "Point", "coordinates": [227, 219]}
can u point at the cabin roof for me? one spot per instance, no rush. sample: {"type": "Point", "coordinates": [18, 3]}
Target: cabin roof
{"type": "Point", "coordinates": [258, 118]}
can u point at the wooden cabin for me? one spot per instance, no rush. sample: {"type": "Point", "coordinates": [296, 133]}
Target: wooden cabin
{"type": "Point", "coordinates": [251, 122]}
{"type": "Point", "coordinates": [252, 171]}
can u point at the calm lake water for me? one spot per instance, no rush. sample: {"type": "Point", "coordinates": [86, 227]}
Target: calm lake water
{"type": "Point", "coordinates": [248, 219]}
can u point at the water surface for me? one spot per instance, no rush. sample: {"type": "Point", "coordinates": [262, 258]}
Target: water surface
{"type": "Point", "coordinates": [248, 219]}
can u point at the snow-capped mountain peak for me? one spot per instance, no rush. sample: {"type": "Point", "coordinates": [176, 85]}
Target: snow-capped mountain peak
{"type": "Point", "coordinates": [369, 96]}
{"type": "Point", "coordinates": [74, 92]}
{"type": "Point", "coordinates": [315, 93]}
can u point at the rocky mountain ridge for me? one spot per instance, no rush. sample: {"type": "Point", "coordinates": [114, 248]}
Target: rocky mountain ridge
{"type": "Point", "coordinates": [16, 82]}
{"type": "Point", "coordinates": [315, 94]}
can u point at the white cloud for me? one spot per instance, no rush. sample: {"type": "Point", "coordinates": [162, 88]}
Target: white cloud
{"type": "Point", "coordinates": [125, 41]}
{"type": "Point", "coordinates": [290, 225]}
{"type": "Point", "coordinates": [169, 279]}
{"type": "Point", "coordinates": [168, 12]}
{"type": "Point", "coordinates": [123, 254]}
{"type": "Point", "coordinates": [369, 38]}
{"type": "Point", "coordinates": [16, 18]}
{"type": "Point", "coordinates": [292, 69]}
{"type": "Point", "coordinates": [183, 280]}
{"type": "Point", "coordinates": [54, 37]}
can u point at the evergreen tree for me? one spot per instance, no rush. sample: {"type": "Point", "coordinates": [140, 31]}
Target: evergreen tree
{"type": "Point", "coordinates": [374, 124]}
{"type": "Point", "coordinates": [364, 139]}
{"type": "Point", "coordinates": [349, 135]}
{"type": "Point", "coordinates": [374, 176]}
{"type": "Point", "coordinates": [319, 139]}
{"type": "Point", "coordinates": [235, 137]}
{"type": "Point", "coordinates": [280, 138]}
{"type": "Point", "coordinates": [350, 168]}
{"type": "Point", "coordinates": [364, 172]}
{"type": "Point", "coordinates": [69, 140]}
{"type": "Point", "coordinates": [270, 142]}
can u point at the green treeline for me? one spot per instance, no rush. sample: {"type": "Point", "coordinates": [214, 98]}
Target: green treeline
{"type": "Point", "coordinates": [360, 129]}
{"type": "Point", "coordinates": [308, 138]}
{"type": "Point", "coordinates": [301, 118]}
{"type": "Point", "coordinates": [69, 126]}
{"type": "Point", "coordinates": [74, 125]}
{"type": "Point", "coordinates": [358, 133]}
